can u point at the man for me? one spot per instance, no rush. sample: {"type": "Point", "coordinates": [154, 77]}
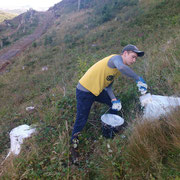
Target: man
{"type": "Point", "coordinates": [96, 85]}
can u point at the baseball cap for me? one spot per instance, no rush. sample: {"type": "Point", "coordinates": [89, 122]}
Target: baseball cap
{"type": "Point", "coordinates": [133, 48]}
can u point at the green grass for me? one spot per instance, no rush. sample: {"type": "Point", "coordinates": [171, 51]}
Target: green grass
{"type": "Point", "coordinates": [149, 150]}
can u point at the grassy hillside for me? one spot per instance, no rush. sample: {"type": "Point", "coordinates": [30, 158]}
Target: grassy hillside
{"type": "Point", "coordinates": [19, 27]}
{"type": "Point", "coordinates": [148, 150]}
{"type": "Point", "coordinates": [4, 15]}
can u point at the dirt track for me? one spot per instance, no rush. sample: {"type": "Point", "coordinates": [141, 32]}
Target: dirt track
{"type": "Point", "coordinates": [8, 53]}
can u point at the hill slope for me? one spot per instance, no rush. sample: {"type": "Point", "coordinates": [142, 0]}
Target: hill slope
{"type": "Point", "coordinates": [4, 15]}
{"type": "Point", "coordinates": [75, 41]}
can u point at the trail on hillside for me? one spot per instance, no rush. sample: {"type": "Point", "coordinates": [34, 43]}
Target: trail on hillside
{"type": "Point", "coordinates": [8, 53]}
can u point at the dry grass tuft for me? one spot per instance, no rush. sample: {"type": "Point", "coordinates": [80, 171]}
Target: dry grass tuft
{"type": "Point", "coordinates": [152, 142]}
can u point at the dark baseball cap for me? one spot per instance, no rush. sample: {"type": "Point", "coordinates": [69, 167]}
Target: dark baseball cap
{"type": "Point", "coordinates": [133, 48]}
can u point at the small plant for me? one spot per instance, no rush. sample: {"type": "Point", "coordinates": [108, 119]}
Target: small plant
{"type": "Point", "coordinates": [5, 41]}
{"type": "Point", "coordinates": [48, 40]}
{"type": "Point", "coordinates": [34, 44]}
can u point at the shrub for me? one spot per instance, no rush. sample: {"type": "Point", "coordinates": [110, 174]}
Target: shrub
{"type": "Point", "coordinates": [5, 41]}
{"type": "Point", "coordinates": [48, 40]}
{"type": "Point", "coordinates": [34, 44]}
{"type": "Point", "coordinates": [107, 11]}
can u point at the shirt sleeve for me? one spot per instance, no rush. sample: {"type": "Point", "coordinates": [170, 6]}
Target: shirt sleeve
{"type": "Point", "coordinates": [110, 91]}
{"type": "Point", "coordinates": [124, 69]}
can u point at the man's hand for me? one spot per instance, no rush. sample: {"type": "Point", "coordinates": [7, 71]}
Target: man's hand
{"type": "Point", "coordinates": [142, 86]}
{"type": "Point", "coordinates": [116, 105]}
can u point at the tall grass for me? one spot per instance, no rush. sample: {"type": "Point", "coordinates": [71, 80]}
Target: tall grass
{"type": "Point", "coordinates": [154, 147]}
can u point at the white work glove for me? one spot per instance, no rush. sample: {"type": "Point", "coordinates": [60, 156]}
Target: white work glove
{"type": "Point", "coordinates": [116, 105]}
{"type": "Point", "coordinates": [142, 86]}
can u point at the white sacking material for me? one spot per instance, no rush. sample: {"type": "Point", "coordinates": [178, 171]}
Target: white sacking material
{"type": "Point", "coordinates": [156, 105]}
{"type": "Point", "coordinates": [17, 135]}
{"type": "Point", "coordinates": [112, 120]}
{"type": "Point", "coordinates": [30, 108]}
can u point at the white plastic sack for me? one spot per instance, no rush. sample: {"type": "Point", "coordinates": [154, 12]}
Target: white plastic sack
{"type": "Point", "coordinates": [156, 105]}
{"type": "Point", "coordinates": [17, 135]}
{"type": "Point", "coordinates": [112, 120]}
{"type": "Point", "coordinates": [30, 108]}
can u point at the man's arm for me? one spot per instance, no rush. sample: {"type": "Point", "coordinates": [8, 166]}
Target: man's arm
{"type": "Point", "coordinates": [117, 62]}
{"type": "Point", "coordinates": [116, 104]}
{"type": "Point", "coordinates": [110, 92]}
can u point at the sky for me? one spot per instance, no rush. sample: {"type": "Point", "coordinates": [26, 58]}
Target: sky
{"type": "Point", "coordinates": [35, 4]}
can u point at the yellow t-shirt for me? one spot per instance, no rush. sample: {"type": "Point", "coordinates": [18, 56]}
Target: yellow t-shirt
{"type": "Point", "coordinates": [99, 76]}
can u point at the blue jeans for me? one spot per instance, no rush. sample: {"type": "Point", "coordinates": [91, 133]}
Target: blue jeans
{"type": "Point", "coordinates": [84, 103]}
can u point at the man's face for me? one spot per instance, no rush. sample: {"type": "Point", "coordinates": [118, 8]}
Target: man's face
{"type": "Point", "coordinates": [129, 57]}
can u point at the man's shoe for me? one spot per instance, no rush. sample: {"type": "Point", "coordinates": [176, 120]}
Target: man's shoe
{"type": "Point", "coordinates": [74, 151]}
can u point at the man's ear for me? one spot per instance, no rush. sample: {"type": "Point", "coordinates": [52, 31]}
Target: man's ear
{"type": "Point", "coordinates": [125, 53]}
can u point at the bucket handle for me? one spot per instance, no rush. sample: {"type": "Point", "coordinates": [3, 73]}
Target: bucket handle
{"type": "Point", "coordinates": [120, 110]}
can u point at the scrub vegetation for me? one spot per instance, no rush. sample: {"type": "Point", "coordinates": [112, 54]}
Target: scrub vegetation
{"type": "Point", "coordinates": [146, 149]}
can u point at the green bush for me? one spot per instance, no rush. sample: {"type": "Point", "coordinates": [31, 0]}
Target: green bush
{"type": "Point", "coordinates": [5, 41]}
{"type": "Point", "coordinates": [34, 44]}
{"type": "Point", "coordinates": [48, 40]}
{"type": "Point", "coordinates": [107, 11]}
